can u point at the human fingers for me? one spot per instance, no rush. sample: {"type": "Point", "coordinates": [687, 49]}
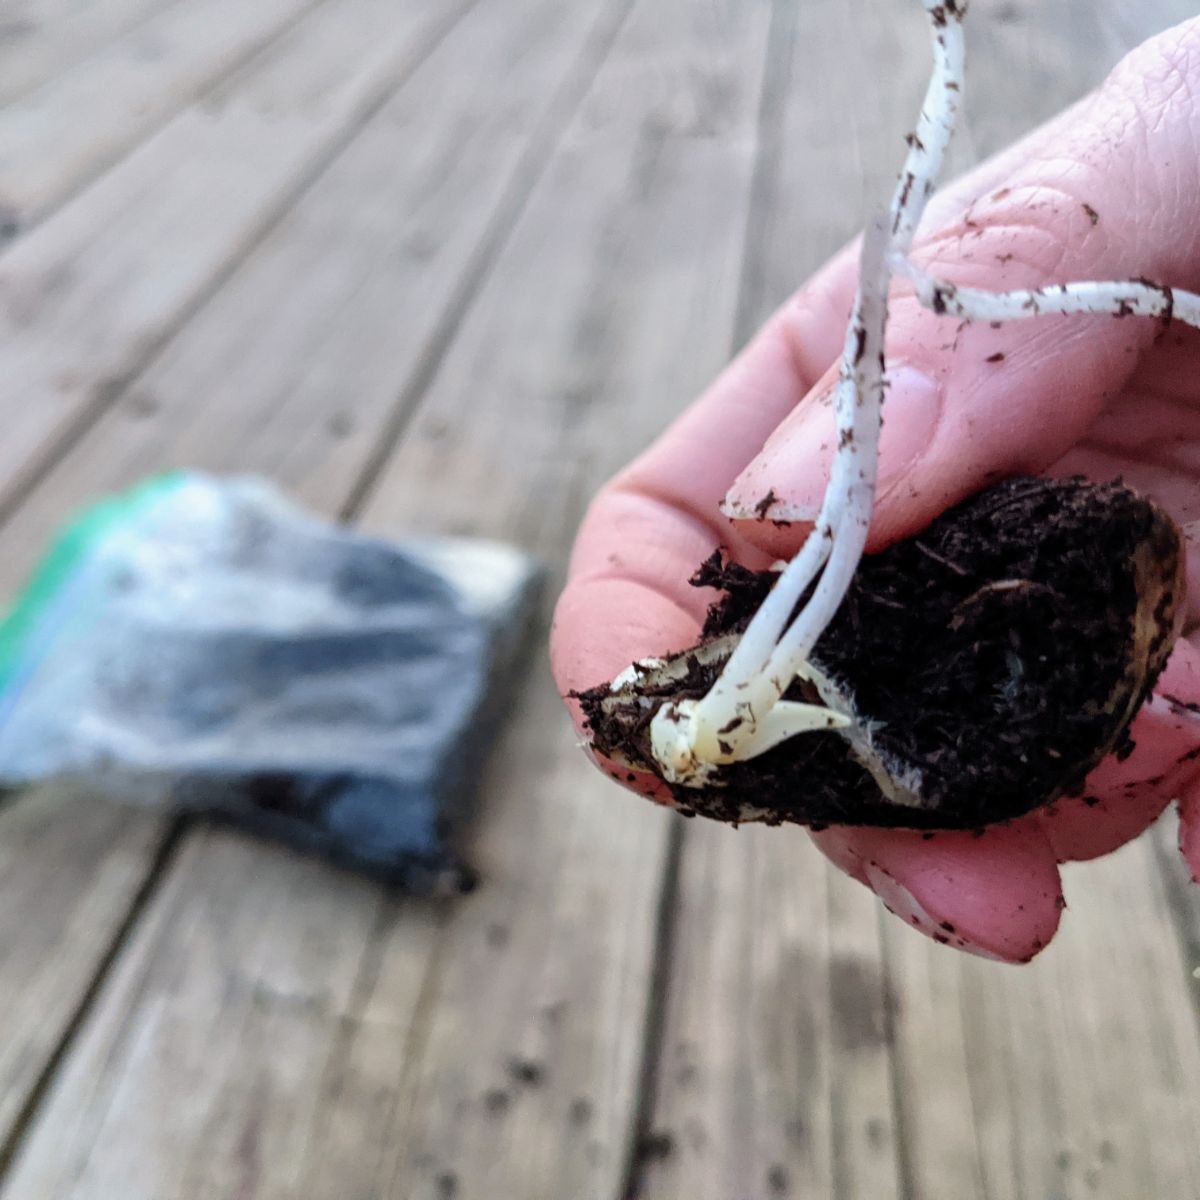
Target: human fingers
{"type": "Point", "coordinates": [1113, 193]}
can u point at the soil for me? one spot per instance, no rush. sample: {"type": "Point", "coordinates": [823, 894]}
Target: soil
{"type": "Point", "coordinates": [1001, 655]}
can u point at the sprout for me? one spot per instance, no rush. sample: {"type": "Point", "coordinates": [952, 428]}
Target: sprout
{"type": "Point", "coordinates": [744, 714]}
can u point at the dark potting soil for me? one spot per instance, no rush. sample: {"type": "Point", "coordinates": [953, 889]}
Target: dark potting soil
{"type": "Point", "coordinates": [1001, 654]}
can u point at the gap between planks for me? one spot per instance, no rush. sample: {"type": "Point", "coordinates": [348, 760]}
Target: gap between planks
{"type": "Point", "coordinates": [183, 211]}
{"type": "Point", "coordinates": [77, 125]}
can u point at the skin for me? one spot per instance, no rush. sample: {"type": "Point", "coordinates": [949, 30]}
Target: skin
{"type": "Point", "coordinates": [1109, 189]}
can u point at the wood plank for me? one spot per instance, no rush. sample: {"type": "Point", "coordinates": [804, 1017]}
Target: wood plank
{"type": "Point", "coordinates": [113, 288]}
{"type": "Point", "coordinates": [523, 1079]}
{"type": "Point", "coordinates": [92, 293]}
{"type": "Point", "coordinates": [1075, 1077]}
{"type": "Point", "coordinates": [64, 133]}
{"type": "Point", "coordinates": [69, 864]}
{"type": "Point", "coordinates": [485, 58]}
{"type": "Point", "coordinates": [40, 38]}
{"type": "Point", "coordinates": [556, 1034]}
{"type": "Point", "coordinates": [743, 1097]}
{"type": "Point", "coordinates": [584, 362]}
{"type": "Point", "coordinates": [246, 946]}
{"type": "Point", "coordinates": [862, 1000]}
{"type": "Point", "coordinates": [490, 46]}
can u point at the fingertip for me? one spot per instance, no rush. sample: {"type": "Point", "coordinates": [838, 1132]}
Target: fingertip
{"type": "Point", "coordinates": [995, 894]}
{"type": "Point", "coordinates": [1121, 798]}
{"type": "Point", "coordinates": [602, 625]}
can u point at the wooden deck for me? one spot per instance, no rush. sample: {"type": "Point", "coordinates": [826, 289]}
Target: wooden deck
{"type": "Point", "coordinates": [444, 267]}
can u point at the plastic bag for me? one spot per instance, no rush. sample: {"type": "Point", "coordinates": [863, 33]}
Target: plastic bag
{"type": "Point", "coordinates": [205, 641]}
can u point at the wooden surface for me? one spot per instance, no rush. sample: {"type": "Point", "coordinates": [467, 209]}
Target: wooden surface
{"type": "Point", "coordinates": [445, 267]}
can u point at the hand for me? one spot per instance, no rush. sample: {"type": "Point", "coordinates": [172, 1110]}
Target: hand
{"type": "Point", "coordinates": [1108, 190]}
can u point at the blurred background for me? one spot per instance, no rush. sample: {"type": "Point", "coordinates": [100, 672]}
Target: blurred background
{"type": "Point", "coordinates": [443, 267]}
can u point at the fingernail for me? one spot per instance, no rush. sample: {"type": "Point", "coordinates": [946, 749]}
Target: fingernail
{"type": "Point", "coordinates": [899, 901]}
{"type": "Point", "coordinates": [786, 481]}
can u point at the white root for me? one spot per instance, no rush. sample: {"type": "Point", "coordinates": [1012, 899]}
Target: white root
{"type": "Point", "coordinates": [1132, 298]}
{"type": "Point", "coordinates": [743, 713]}
{"type": "Point", "coordinates": [763, 666]}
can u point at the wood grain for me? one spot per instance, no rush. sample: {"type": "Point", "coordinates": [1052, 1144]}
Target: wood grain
{"type": "Point", "coordinates": [71, 868]}
{"type": "Point", "coordinates": [216, 1028]}
{"type": "Point", "coordinates": [1074, 1077]}
{"type": "Point", "coordinates": [621, 946]}
{"type": "Point", "coordinates": [114, 289]}
{"type": "Point", "coordinates": [92, 293]}
{"type": "Point", "coordinates": [40, 39]}
{"type": "Point", "coordinates": [64, 133]}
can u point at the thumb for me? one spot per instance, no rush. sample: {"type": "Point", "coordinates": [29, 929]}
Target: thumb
{"type": "Point", "coordinates": [1115, 195]}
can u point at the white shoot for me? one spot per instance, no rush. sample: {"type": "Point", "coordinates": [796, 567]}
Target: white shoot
{"type": "Point", "coordinates": [743, 713]}
{"type": "Point", "coordinates": [762, 666]}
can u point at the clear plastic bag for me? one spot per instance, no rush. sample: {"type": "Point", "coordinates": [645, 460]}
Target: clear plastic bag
{"type": "Point", "coordinates": [204, 641]}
